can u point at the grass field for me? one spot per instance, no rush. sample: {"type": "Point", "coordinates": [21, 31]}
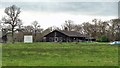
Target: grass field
{"type": "Point", "coordinates": [60, 54]}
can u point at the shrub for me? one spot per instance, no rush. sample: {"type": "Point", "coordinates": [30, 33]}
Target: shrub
{"type": "Point", "coordinates": [102, 38]}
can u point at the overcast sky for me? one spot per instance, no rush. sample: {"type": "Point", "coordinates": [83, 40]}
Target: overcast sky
{"type": "Point", "coordinates": [59, 0]}
{"type": "Point", "coordinates": [55, 13]}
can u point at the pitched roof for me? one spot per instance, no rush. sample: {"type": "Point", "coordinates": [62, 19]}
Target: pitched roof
{"type": "Point", "coordinates": [69, 33]}
{"type": "Point", "coordinates": [72, 33]}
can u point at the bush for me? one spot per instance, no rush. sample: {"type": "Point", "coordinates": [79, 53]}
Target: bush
{"type": "Point", "coordinates": [102, 38]}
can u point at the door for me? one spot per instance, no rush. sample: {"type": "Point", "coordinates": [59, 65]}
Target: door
{"type": "Point", "coordinates": [56, 39]}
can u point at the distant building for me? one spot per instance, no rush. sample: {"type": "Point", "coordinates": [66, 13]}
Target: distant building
{"type": "Point", "coordinates": [64, 36]}
{"type": "Point", "coordinates": [3, 35]}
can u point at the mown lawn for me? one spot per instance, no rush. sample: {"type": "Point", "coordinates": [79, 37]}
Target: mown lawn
{"type": "Point", "coordinates": [59, 54]}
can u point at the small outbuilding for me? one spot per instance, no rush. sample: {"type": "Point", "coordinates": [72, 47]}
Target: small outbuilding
{"type": "Point", "coordinates": [28, 39]}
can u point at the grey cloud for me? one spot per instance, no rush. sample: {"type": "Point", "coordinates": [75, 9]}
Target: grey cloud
{"type": "Point", "coordinates": [59, 0]}
{"type": "Point", "coordinates": [119, 9]}
{"type": "Point", "coordinates": [86, 8]}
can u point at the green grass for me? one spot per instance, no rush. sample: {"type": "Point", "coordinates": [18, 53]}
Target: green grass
{"type": "Point", "coordinates": [60, 54]}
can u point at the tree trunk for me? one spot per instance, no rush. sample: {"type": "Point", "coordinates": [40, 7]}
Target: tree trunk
{"type": "Point", "coordinates": [13, 36]}
{"type": "Point", "coordinates": [35, 35]}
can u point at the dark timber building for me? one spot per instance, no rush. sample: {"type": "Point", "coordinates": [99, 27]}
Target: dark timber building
{"type": "Point", "coordinates": [64, 36]}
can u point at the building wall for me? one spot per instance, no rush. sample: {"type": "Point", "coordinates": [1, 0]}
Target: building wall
{"type": "Point", "coordinates": [56, 36]}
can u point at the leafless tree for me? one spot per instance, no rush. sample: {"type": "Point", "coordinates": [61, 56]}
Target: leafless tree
{"type": "Point", "coordinates": [28, 29]}
{"type": "Point", "coordinates": [20, 25]}
{"type": "Point", "coordinates": [115, 29]}
{"type": "Point", "coordinates": [46, 31]}
{"type": "Point", "coordinates": [69, 25]}
{"type": "Point", "coordinates": [36, 29]}
{"type": "Point", "coordinates": [78, 28]}
{"type": "Point", "coordinates": [12, 18]}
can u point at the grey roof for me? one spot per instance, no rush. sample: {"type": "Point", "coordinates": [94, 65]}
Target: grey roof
{"type": "Point", "coordinates": [72, 33]}
{"type": "Point", "coordinates": [68, 33]}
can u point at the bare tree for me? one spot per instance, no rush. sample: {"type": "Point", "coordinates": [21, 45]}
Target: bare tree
{"type": "Point", "coordinates": [95, 21]}
{"type": "Point", "coordinates": [20, 25]}
{"type": "Point", "coordinates": [28, 29]}
{"type": "Point", "coordinates": [35, 25]}
{"type": "Point", "coordinates": [55, 28]}
{"type": "Point", "coordinates": [0, 24]}
{"type": "Point", "coordinates": [115, 29]}
{"type": "Point", "coordinates": [69, 25]}
{"type": "Point", "coordinates": [36, 29]}
{"type": "Point", "coordinates": [12, 18]}
{"type": "Point", "coordinates": [46, 31]}
{"type": "Point", "coordinates": [78, 28]}
{"type": "Point", "coordinates": [87, 28]}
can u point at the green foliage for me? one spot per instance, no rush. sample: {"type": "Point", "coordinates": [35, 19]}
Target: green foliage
{"type": "Point", "coordinates": [60, 54]}
{"type": "Point", "coordinates": [102, 38]}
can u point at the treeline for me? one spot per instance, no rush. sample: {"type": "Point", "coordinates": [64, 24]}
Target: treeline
{"type": "Point", "coordinates": [102, 31]}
